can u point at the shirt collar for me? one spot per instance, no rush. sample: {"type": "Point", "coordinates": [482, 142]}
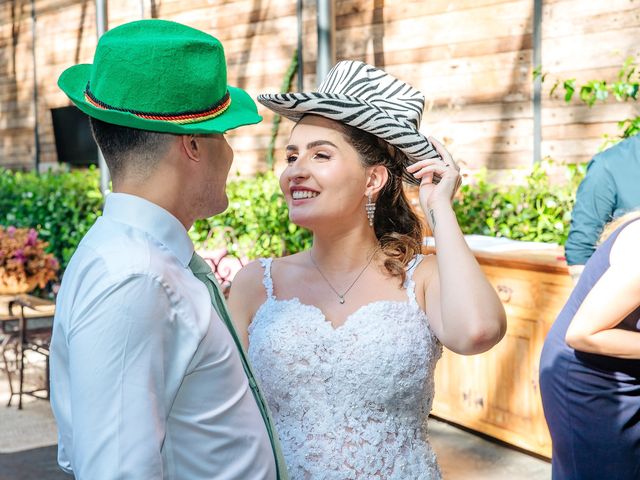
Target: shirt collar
{"type": "Point", "coordinates": [152, 219]}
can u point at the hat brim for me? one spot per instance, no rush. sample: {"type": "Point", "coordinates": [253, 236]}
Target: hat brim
{"type": "Point", "coordinates": [241, 111]}
{"type": "Point", "coordinates": [357, 113]}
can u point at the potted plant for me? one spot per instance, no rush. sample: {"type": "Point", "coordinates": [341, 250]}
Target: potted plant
{"type": "Point", "coordinates": [24, 263]}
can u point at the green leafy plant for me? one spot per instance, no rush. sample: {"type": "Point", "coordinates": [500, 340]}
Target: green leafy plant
{"type": "Point", "coordinates": [63, 206]}
{"type": "Point", "coordinates": [536, 209]}
{"type": "Point", "coordinates": [256, 224]}
{"type": "Point", "coordinates": [625, 88]}
{"type": "Point", "coordinates": [629, 126]}
{"type": "Point", "coordinates": [60, 206]}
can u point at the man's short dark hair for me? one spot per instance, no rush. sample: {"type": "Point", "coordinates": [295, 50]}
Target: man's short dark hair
{"type": "Point", "coordinates": [129, 151]}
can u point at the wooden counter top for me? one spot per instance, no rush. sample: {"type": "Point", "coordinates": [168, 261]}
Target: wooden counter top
{"type": "Point", "coordinates": [550, 260]}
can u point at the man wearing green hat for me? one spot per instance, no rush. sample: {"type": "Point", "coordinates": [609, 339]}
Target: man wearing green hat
{"type": "Point", "coordinates": [148, 378]}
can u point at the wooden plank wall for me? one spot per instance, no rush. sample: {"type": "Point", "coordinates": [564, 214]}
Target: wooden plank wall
{"type": "Point", "coordinates": [471, 58]}
{"type": "Point", "coordinates": [259, 38]}
{"type": "Point", "coordinates": [585, 40]}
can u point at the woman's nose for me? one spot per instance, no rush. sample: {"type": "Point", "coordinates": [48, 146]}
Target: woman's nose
{"type": "Point", "coordinates": [298, 170]}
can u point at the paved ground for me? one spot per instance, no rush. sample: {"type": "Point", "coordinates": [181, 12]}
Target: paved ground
{"type": "Point", "coordinates": [36, 464]}
{"type": "Point", "coordinates": [461, 454]}
{"type": "Point", "coordinates": [465, 456]}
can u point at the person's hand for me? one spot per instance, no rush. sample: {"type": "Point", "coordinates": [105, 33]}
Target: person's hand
{"type": "Point", "coordinates": [575, 271]}
{"type": "Point", "coordinates": [435, 192]}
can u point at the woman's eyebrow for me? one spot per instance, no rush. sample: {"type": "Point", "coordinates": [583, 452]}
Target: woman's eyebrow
{"type": "Point", "coordinates": [313, 144]}
{"type": "Point", "coordinates": [317, 143]}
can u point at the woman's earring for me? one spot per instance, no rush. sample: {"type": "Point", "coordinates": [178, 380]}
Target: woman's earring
{"type": "Point", "coordinates": [371, 210]}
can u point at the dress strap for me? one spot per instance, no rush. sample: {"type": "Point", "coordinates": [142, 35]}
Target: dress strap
{"type": "Point", "coordinates": [409, 284]}
{"type": "Point", "coordinates": [266, 278]}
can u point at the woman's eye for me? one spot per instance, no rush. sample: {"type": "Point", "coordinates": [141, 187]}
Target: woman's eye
{"type": "Point", "coordinates": [322, 156]}
{"type": "Point", "coordinates": [291, 158]}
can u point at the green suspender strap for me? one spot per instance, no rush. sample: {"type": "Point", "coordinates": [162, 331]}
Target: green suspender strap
{"type": "Point", "coordinates": [203, 272]}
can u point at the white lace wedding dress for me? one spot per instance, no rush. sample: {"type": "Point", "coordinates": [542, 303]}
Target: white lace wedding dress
{"type": "Point", "coordinates": [350, 402]}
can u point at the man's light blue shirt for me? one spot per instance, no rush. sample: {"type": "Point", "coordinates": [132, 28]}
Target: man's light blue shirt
{"type": "Point", "coordinates": [610, 189]}
{"type": "Point", "coordinates": [146, 382]}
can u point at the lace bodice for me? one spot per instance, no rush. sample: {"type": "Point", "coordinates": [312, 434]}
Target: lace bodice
{"type": "Point", "coordinates": [348, 402]}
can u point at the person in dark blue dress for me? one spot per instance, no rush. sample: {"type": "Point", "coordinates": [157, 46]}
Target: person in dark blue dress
{"type": "Point", "coordinates": [590, 366]}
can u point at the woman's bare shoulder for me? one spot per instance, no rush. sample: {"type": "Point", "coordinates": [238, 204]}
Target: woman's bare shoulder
{"type": "Point", "coordinates": [249, 280]}
{"type": "Point", "coordinates": [293, 260]}
{"type": "Point", "coordinates": [247, 291]}
{"type": "Point", "coordinates": [249, 276]}
{"type": "Point", "coordinates": [423, 275]}
{"type": "Point", "coordinates": [426, 269]}
{"type": "Point", "coordinates": [625, 251]}
{"type": "Point", "coordinates": [291, 264]}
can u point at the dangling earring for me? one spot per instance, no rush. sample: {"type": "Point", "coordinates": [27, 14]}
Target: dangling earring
{"type": "Point", "coordinates": [371, 210]}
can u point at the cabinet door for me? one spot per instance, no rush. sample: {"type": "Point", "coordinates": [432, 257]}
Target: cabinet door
{"type": "Point", "coordinates": [460, 388]}
{"type": "Point", "coordinates": [514, 410]}
{"type": "Point", "coordinates": [497, 392]}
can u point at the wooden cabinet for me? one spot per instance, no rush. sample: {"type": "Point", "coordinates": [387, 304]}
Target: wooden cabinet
{"type": "Point", "coordinates": [497, 392]}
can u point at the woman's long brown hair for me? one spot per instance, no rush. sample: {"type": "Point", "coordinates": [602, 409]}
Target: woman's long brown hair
{"type": "Point", "coordinates": [396, 225]}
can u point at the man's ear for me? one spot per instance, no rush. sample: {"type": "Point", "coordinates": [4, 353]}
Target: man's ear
{"type": "Point", "coordinates": [377, 178]}
{"type": "Point", "coordinates": [191, 147]}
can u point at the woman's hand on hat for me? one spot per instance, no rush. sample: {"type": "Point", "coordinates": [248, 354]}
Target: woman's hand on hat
{"type": "Point", "coordinates": [434, 191]}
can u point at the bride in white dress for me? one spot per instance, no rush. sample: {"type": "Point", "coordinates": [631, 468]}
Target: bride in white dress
{"type": "Point", "coordinates": [344, 337]}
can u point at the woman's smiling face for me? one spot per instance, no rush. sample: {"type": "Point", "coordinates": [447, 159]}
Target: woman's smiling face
{"type": "Point", "coordinates": [324, 181]}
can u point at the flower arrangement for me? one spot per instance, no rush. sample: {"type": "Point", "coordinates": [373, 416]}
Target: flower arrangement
{"type": "Point", "coordinates": [24, 264]}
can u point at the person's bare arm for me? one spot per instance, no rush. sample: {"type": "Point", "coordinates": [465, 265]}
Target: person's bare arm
{"type": "Point", "coordinates": [463, 308]}
{"type": "Point", "coordinates": [611, 299]}
{"type": "Point", "coordinates": [245, 297]}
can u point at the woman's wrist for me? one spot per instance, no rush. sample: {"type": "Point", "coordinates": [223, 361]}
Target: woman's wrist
{"type": "Point", "coordinates": [436, 207]}
{"type": "Point", "coordinates": [439, 214]}
{"type": "Point", "coordinates": [440, 204]}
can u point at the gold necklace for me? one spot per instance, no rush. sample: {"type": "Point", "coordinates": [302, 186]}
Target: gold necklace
{"type": "Point", "coordinates": [341, 296]}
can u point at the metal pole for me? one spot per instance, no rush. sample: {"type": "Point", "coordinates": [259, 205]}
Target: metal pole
{"type": "Point", "coordinates": [326, 39]}
{"type": "Point", "coordinates": [300, 57]}
{"type": "Point", "coordinates": [101, 27]}
{"type": "Point", "coordinates": [101, 17]}
{"type": "Point", "coordinates": [36, 136]}
{"type": "Point", "coordinates": [537, 83]}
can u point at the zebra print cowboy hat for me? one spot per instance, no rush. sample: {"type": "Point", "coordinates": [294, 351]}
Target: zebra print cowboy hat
{"type": "Point", "coordinates": [367, 98]}
{"type": "Point", "coordinates": [160, 76]}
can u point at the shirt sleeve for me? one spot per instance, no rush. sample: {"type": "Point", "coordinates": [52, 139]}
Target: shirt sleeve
{"type": "Point", "coordinates": [128, 354]}
{"type": "Point", "coordinates": [593, 208]}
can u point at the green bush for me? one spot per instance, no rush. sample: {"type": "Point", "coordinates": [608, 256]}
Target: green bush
{"type": "Point", "coordinates": [625, 89]}
{"type": "Point", "coordinates": [60, 206]}
{"type": "Point", "coordinates": [535, 210]}
{"type": "Point", "coordinates": [256, 224]}
{"type": "Point", "coordinates": [63, 206]}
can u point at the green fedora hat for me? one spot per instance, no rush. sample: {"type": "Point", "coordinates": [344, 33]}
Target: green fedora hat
{"type": "Point", "coordinates": [160, 76]}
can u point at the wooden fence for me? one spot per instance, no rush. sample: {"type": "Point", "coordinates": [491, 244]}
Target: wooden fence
{"type": "Point", "coordinates": [473, 59]}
